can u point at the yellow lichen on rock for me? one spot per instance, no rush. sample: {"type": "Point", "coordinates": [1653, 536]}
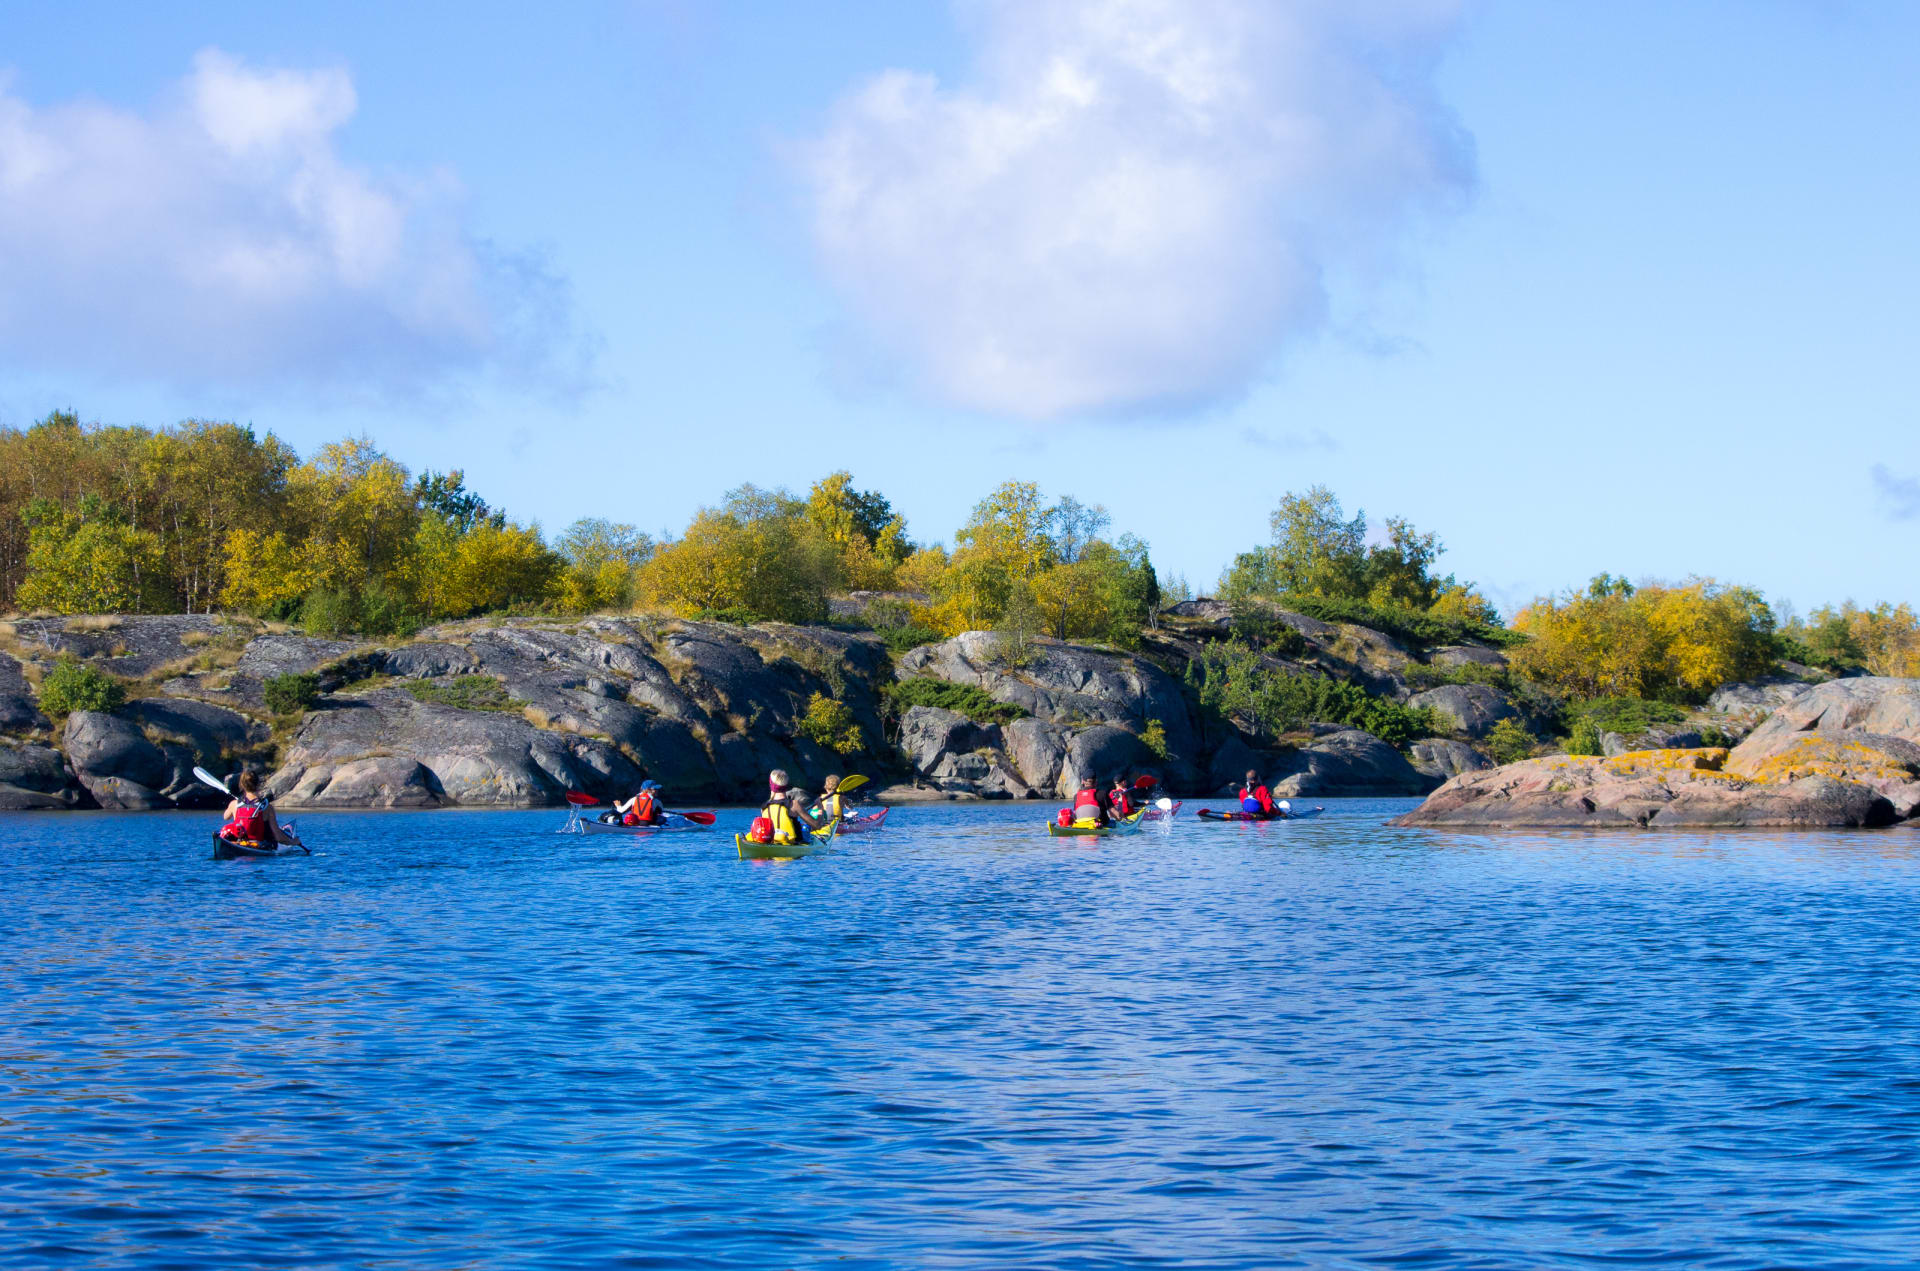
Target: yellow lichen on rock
{"type": "Point", "coordinates": [1846, 759]}
{"type": "Point", "coordinates": [1635, 762]}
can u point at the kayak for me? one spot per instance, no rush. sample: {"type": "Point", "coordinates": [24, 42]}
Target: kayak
{"type": "Point", "coordinates": [1157, 813]}
{"type": "Point", "coordinates": [1128, 826]}
{"type": "Point", "coordinates": [577, 824]}
{"type": "Point", "coordinates": [226, 849]}
{"type": "Point", "coordinates": [752, 851]}
{"type": "Point", "coordinates": [1208, 814]}
{"type": "Point", "coordinates": [853, 823]}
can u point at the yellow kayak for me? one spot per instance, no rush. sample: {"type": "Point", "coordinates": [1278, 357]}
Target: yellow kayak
{"type": "Point", "coordinates": [752, 851]}
{"type": "Point", "coordinates": [1128, 826]}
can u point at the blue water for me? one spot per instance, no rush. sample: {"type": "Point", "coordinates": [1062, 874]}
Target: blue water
{"type": "Point", "coordinates": [458, 1040]}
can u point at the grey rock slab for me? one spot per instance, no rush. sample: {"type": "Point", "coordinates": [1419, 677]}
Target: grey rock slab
{"type": "Point", "coordinates": [1348, 762]}
{"type": "Point", "coordinates": [1474, 708]}
{"type": "Point", "coordinates": [1441, 758]}
{"type": "Point", "coordinates": [111, 754]}
{"type": "Point", "coordinates": [1104, 752]}
{"type": "Point", "coordinates": [1038, 751]}
{"type": "Point", "coordinates": [19, 710]}
{"type": "Point", "coordinates": [1466, 655]}
{"type": "Point", "coordinates": [34, 776]}
{"type": "Point", "coordinates": [428, 660]}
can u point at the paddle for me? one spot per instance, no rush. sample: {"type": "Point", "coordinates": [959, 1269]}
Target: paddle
{"type": "Point", "coordinates": [1165, 804]}
{"type": "Point", "coordinates": [698, 818]}
{"type": "Point", "coordinates": [850, 783]}
{"type": "Point", "coordinates": [577, 799]}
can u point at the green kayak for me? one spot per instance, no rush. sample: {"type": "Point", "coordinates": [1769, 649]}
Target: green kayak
{"type": "Point", "coordinates": [752, 851]}
{"type": "Point", "coordinates": [1128, 826]}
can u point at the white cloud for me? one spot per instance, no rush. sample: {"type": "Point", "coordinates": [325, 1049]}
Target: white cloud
{"type": "Point", "coordinates": [221, 239]}
{"type": "Point", "coordinates": [1899, 495]}
{"type": "Point", "coordinates": [1138, 202]}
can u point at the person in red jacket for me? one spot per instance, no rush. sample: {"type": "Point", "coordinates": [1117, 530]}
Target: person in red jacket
{"type": "Point", "coordinates": [250, 817]}
{"type": "Point", "coordinates": [1254, 797]}
{"type": "Point", "coordinates": [1120, 799]}
{"type": "Point", "coordinates": [643, 808]}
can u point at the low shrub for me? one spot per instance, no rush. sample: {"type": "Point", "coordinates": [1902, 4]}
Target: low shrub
{"type": "Point", "coordinates": [467, 693]}
{"type": "Point", "coordinates": [1230, 679]}
{"type": "Point", "coordinates": [1623, 715]}
{"type": "Point", "coordinates": [733, 615]}
{"type": "Point", "coordinates": [1154, 738]}
{"type": "Point", "coordinates": [1508, 742]}
{"type": "Point", "coordinates": [290, 694]}
{"type": "Point", "coordinates": [73, 686]}
{"type": "Point", "coordinates": [376, 610]}
{"type": "Point", "coordinates": [1585, 738]}
{"type": "Point", "coordinates": [964, 699]}
{"type": "Point", "coordinates": [829, 722]}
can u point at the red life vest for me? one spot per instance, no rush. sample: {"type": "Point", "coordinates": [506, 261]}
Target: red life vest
{"type": "Point", "coordinates": [642, 811]}
{"type": "Point", "coordinates": [249, 821]}
{"type": "Point", "coordinates": [1122, 805]}
{"type": "Point", "coordinates": [1086, 806]}
{"type": "Point", "coordinates": [1258, 797]}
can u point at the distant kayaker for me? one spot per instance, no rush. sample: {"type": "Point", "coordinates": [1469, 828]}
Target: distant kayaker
{"type": "Point", "coordinates": [1120, 798]}
{"type": "Point", "coordinates": [643, 808]}
{"type": "Point", "coordinates": [787, 810]}
{"type": "Point", "coordinates": [1088, 807]}
{"type": "Point", "coordinates": [1255, 797]}
{"type": "Point", "coordinates": [831, 806]}
{"type": "Point", "coordinates": [250, 817]}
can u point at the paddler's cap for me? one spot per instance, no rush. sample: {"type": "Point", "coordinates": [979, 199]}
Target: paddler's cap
{"type": "Point", "coordinates": [649, 785]}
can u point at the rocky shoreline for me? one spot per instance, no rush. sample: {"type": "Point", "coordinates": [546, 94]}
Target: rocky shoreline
{"type": "Point", "coordinates": [515, 712]}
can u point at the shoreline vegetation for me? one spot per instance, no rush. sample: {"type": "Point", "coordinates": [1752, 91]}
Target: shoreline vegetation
{"type": "Point", "coordinates": [1336, 654]}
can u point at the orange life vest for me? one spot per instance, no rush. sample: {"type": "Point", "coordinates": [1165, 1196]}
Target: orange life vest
{"type": "Point", "coordinates": [642, 811]}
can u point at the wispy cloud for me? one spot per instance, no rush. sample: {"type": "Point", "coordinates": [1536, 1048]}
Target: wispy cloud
{"type": "Point", "coordinates": [1137, 203]}
{"type": "Point", "coordinates": [221, 239]}
{"type": "Point", "coordinates": [1899, 495]}
{"type": "Point", "coordinates": [1291, 442]}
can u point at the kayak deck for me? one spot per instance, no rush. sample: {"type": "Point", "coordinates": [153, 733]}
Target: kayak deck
{"type": "Point", "coordinates": [851, 824]}
{"type": "Point", "coordinates": [590, 825]}
{"type": "Point", "coordinates": [226, 849]}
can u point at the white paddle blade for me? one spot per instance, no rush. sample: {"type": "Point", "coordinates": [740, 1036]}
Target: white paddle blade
{"type": "Point", "coordinates": [213, 781]}
{"type": "Point", "coordinates": [1165, 804]}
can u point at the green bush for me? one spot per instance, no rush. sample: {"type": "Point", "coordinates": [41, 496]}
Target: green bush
{"type": "Point", "coordinates": [1154, 738]}
{"type": "Point", "coordinates": [1624, 715]}
{"type": "Point", "coordinates": [962, 698]}
{"type": "Point", "coordinates": [377, 610]}
{"type": "Point", "coordinates": [1423, 630]}
{"type": "Point", "coordinates": [1585, 739]}
{"type": "Point", "coordinates": [1508, 742]}
{"type": "Point", "coordinates": [467, 693]}
{"type": "Point", "coordinates": [290, 694]}
{"type": "Point", "coordinates": [1230, 679]}
{"type": "Point", "coordinates": [72, 686]}
{"type": "Point", "coordinates": [733, 615]}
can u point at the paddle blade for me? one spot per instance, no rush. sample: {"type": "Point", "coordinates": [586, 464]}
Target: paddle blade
{"type": "Point", "coordinates": [851, 783]}
{"type": "Point", "coordinates": [699, 818]}
{"type": "Point", "coordinates": [1165, 804]}
{"type": "Point", "coordinates": [213, 781]}
{"type": "Point", "coordinates": [579, 800]}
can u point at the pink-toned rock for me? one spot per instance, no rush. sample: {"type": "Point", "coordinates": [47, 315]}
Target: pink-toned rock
{"type": "Point", "coordinates": [1660, 788]}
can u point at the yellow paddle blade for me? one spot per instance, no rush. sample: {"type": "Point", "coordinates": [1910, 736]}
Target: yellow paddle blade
{"type": "Point", "coordinates": [850, 783]}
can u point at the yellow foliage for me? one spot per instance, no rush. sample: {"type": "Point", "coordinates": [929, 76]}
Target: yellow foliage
{"type": "Point", "coordinates": [264, 570]}
{"type": "Point", "coordinates": [1658, 642]}
{"type": "Point", "coordinates": [762, 561]}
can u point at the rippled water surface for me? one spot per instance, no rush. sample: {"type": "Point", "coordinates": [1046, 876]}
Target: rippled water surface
{"type": "Point", "coordinates": [456, 1039]}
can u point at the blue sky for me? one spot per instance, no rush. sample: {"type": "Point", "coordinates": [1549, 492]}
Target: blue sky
{"type": "Point", "coordinates": [1581, 287]}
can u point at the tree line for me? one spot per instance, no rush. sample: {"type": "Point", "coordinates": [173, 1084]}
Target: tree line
{"type": "Point", "coordinates": [213, 516]}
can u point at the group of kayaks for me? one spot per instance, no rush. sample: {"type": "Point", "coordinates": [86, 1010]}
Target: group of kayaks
{"type": "Point", "coordinates": [1165, 810]}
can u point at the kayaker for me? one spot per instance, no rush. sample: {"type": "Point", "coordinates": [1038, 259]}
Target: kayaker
{"type": "Point", "coordinates": [643, 808]}
{"type": "Point", "coordinates": [1255, 798]}
{"type": "Point", "coordinates": [786, 809]}
{"type": "Point", "coordinates": [250, 817]}
{"type": "Point", "coordinates": [1120, 798]}
{"type": "Point", "coordinates": [831, 806]}
{"type": "Point", "coordinates": [1088, 809]}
